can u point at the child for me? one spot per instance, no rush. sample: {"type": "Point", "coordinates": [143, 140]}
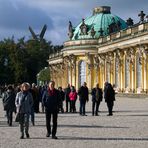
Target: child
{"type": "Point", "coordinates": [73, 98]}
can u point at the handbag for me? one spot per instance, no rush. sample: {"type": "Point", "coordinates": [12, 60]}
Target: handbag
{"type": "Point", "coordinates": [17, 117]}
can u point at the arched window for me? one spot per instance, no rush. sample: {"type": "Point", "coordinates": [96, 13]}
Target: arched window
{"type": "Point", "coordinates": [82, 73]}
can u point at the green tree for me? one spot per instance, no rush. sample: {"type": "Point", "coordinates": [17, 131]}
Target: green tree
{"type": "Point", "coordinates": [44, 75]}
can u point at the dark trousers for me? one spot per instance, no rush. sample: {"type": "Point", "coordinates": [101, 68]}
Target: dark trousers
{"type": "Point", "coordinates": [61, 106]}
{"type": "Point", "coordinates": [73, 106]}
{"type": "Point", "coordinates": [68, 105]}
{"type": "Point", "coordinates": [32, 115]}
{"type": "Point", "coordinates": [24, 123]}
{"type": "Point", "coordinates": [54, 122]}
{"type": "Point", "coordinates": [82, 107]}
{"type": "Point", "coordinates": [9, 117]}
{"type": "Point", "coordinates": [36, 106]}
{"type": "Point", "coordinates": [110, 107]}
{"type": "Point", "coordinates": [95, 107]}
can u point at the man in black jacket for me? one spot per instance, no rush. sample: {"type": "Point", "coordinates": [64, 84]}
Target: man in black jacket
{"type": "Point", "coordinates": [67, 99]}
{"type": "Point", "coordinates": [51, 102]}
{"type": "Point", "coordinates": [96, 99]}
{"type": "Point", "coordinates": [83, 97]}
{"type": "Point", "coordinates": [109, 96]}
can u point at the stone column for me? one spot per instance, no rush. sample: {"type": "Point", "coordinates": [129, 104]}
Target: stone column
{"type": "Point", "coordinates": [133, 72]}
{"type": "Point", "coordinates": [73, 69]}
{"type": "Point", "coordinates": [89, 68]}
{"type": "Point", "coordinates": [96, 66]}
{"type": "Point", "coordinates": [145, 72]}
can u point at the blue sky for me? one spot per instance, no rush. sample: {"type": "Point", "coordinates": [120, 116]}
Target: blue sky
{"type": "Point", "coordinates": [17, 15]}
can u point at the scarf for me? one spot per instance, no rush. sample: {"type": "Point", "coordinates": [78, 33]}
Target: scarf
{"type": "Point", "coordinates": [51, 92]}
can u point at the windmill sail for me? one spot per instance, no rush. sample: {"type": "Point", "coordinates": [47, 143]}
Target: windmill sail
{"type": "Point", "coordinates": [32, 32]}
{"type": "Point", "coordinates": [43, 32]}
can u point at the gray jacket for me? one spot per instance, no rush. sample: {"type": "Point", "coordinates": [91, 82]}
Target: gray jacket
{"type": "Point", "coordinates": [24, 102]}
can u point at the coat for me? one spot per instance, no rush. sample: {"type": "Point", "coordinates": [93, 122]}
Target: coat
{"type": "Point", "coordinates": [67, 92]}
{"type": "Point", "coordinates": [9, 100]}
{"type": "Point", "coordinates": [93, 93]}
{"type": "Point", "coordinates": [73, 96]}
{"type": "Point", "coordinates": [109, 93]}
{"type": "Point", "coordinates": [83, 93]}
{"type": "Point", "coordinates": [51, 101]}
{"type": "Point", "coordinates": [24, 102]}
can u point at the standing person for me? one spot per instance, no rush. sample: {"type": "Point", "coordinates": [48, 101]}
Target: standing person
{"type": "Point", "coordinates": [83, 96]}
{"type": "Point", "coordinates": [51, 102]}
{"type": "Point", "coordinates": [96, 99]}
{"type": "Point", "coordinates": [35, 98]}
{"type": "Point", "coordinates": [24, 102]}
{"type": "Point", "coordinates": [73, 98]}
{"type": "Point", "coordinates": [61, 99]}
{"type": "Point", "coordinates": [9, 103]}
{"type": "Point", "coordinates": [109, 96]}
{"type": "Point", "coordinates": [32, 114]}
{"type": "Point", "coordinates": [67, 99]}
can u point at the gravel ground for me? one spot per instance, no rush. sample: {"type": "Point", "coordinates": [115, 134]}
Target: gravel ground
{"type": "Point", "coordinates": [128, 127]}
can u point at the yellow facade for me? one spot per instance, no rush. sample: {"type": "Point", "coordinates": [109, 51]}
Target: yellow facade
{"type": "Point", "coordinates": [121, 59]}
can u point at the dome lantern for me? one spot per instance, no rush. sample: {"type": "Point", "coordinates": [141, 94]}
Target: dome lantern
{"type": "Point", "coordinates": [101, 9]}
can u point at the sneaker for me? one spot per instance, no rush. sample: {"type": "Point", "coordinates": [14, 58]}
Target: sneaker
{"type": "Point", "coordinates": [54, 137]}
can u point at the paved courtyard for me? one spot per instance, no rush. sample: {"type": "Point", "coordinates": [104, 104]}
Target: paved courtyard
{"type": "Point", "coordinates": [128, 128]}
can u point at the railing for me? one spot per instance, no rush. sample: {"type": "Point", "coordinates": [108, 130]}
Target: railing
{"type": "Point", "coordinates": [137, 28]}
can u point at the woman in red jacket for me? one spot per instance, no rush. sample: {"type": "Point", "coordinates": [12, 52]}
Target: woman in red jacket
{"type": "Point", "coordinates": [73, 98]}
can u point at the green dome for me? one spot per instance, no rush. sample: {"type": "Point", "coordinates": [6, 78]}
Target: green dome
{"type": "Point", "coordinates": [101, 19]}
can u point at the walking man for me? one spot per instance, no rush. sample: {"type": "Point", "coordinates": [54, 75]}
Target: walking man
{"type": "Point", "coordinates": [51, 102]}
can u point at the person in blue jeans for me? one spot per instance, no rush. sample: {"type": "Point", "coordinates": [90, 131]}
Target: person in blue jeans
{"type": "Point", "coordinates": [83, 97]}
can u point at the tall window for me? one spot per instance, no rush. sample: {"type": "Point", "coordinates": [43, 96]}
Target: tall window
{"type": "Point", "coordinates": [116, 73]}
{"type": "Point", "coordinates": [139, 69]}
{"type": "Point", "coordinates": [108, 72]}
{"type": "Point", "coordinates": [82, 73]}
{"type": "Point", "coordinates": [127, 74]}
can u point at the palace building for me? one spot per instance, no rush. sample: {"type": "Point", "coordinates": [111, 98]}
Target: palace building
{"type": "Point", "coordinates": [104, 48]}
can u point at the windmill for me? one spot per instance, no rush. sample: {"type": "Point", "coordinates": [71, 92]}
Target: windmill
{"type": "Point", "coordinates": [38, 37]}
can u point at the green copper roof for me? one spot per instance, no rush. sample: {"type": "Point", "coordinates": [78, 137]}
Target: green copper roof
{"type": "Point", "coordinates": [97, 21]}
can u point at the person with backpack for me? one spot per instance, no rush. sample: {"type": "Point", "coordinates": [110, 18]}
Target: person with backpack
{"type": "Point", "coordinates": [9, 103]}
{"type": "Point", "coordinates": [109, 96]}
